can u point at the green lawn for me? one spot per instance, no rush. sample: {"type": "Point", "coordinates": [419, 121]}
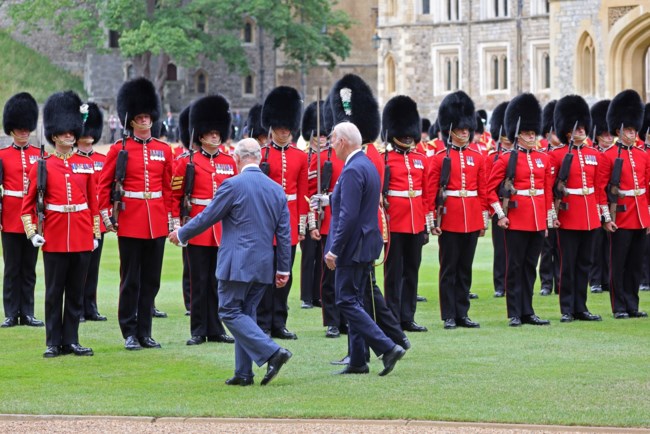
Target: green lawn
{"type": "Point", "coordinates": [579, 373]}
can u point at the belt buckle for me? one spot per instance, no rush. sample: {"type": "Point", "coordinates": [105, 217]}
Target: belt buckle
{"type": "Point", "coordinates": [585, 191]}
{"type": "Point", "coordinates": [532, 192]}
{"type": "Point", "coordinates": [463, 193]}
{"type": "Point", "coordinates": [146, 195]}
{"type": "Point", "coordinates": [411, 193]}
{"type": "Point", "coordinates": [69, 208]}
{"type": "Point", "coordinates": [637, 192]}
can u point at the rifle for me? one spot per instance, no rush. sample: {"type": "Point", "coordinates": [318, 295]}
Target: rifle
{"type": "Point", "coordinates": [508, 185]}
{"type": "Point", "coordinates": [265, 167]}
{"type": "Point", "coordinates": [41, 183]}
{"type": "Point", "coordinates": [384, 189]}
{"type": "Point", "coordinates": [319, 216]}
{"type": "Point", "coordinates": [190, 175]}
{"type": "Point", "coordinates": [445, 172]}
{"type": "Point", "coordinates": [549, 139]}
{"type": "Point", "coordinates": [497, 154]}
{"type": "Point", "coordinates": [613, 187]}
{"type": "Point", "coordinates": [559, 188]}
{"type": "Point", "coordinates": [117, 189]}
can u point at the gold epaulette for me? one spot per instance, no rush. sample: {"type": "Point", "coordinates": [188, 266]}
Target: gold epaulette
{"type": "Point", "coordinates": [177, 182]}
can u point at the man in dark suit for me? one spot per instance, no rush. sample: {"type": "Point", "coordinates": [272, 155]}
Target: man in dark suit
{"type": "Point", "coordinates": [253, 210]}
{"type": "Point", "coordinates": [353, 245]}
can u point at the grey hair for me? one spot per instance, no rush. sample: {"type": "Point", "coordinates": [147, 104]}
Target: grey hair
{"type": "Point", "coordinates": [248, 150]}
{"type": "Point", "coordinates": [349, 132]}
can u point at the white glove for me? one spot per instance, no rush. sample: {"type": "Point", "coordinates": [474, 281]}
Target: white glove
{"type": "Point", "coordinates": [95, 244]}
{"type": "Point", "coordinates": [319, 199]}
{"type": "Point", "coordinates": [37, 240]}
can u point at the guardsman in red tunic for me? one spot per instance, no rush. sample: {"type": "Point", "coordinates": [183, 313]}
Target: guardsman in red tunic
{"type": "Point", "coordinates": [531, 189]}
{"type": "Point", "coordinates": [92, 132]}
{"type": "Point", "coordinates": [465, 215]}
{"type": "Point", "coordinates": [254, 127]}
{"type": "Point", "coordinates": [409, 206]}
{"type": "Point", "coordinates": [145, 220]}
{"type": "Point", "coordinates": [70, 226]}
{"type": "Point", "coordinates": [286, 165]}
{"type": "Point", "coordinates": [644, 135]}
{"type": "Point", "coordinates": [432, 144]}
{"type": "Point", "coordinates": [628, 227]}
{"type": "Point", "coordinates": [184, 137]}
{"type": "Point", "coordinates": [18, 119]}
{"type": "Point", "coordinates": [480, 141]}
{"type": "Point", "coordinates": [208, 118]}
{"type": "Point", "coordinates": [578, 208]}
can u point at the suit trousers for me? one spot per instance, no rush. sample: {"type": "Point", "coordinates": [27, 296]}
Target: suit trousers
{"type": "Point", "coordinates": [522, 252]}
{"type": "Point", "coordinates": [92, 279]}
{"type": "Point", "coordinates": [273, 309]}
{"type": "Point", "coordinates": [549, 263]}
{"type": "Point", "coordinates": [645, 277]}
{"type": "Point", "coordinates": [456, 255]}
{"type": "Point", "coordinates": [350, 284]}
{"type": "Point", "coordinates": [401, 274]}
{"type": "Point", "coordinates": [575, 262]}
{"type": "Point", "coordinates": [499, 258]}
{"type": "Point", "coordinates": [186, 281]}
{"type": "Point", "coordinates": [311, 260]}
{"type": "Point", "coordinates": [65, 274]}
{"type": "Point", "coordinates": [238, 303]}
{"type": "Point", "coordinates": [140, 268]}
{"type": "Point", "coordinates": [626, 262]}
{"type": "Point", "coordinates": [204, 306]}
{"type": "Point", "coordinates": [375, 305]}
{"type": "Point", "coordinates": [331, 314]}
{"type": "Point", "coordinates": [599, 272]}
{"type": "Point", "coordinates": [19, 274]}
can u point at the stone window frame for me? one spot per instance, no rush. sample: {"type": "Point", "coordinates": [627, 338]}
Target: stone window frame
{"type": "Point", "coordinates": [172, 72]}
{"type": "Point", "coordinates": [390, 78]}
{"type": "Point", "coordinates": [245, 84]}
{"type": "Point", "coordinates": [441, 80]}
{"type": "Point", "coordinates": [540, 7]}
{"type": "Point", "coordinates": [495, 9]}
{"type": "Point", "coordinates": [248, 38]}
{"type": "Point", "coordinates": [489, 52]}
{"type": "Point", "coordinates": [391, 7]}
{"type": "Point", "coordinates": [113, 39]}
{"type": "Point", "coordinates": [585, 71]}
{"type": "Point", "coordinates": [197, 82]}
{"type": "Point", "coordinates": [129, 71]}
{"type": "Point", "coordinates": [540, 66]}
{"type": "Point", "coordinates": [445, 11]}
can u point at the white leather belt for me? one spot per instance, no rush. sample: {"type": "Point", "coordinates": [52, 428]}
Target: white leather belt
{"type": "Point", "coordinates": [637, 192]}
{"type": "Point", "coordinates": [291, 197]}
{"type": "Point", "coordinates": [67, 208]}
{"type": "Point", "coordinates": [405, 193]}
{"type": "Point", "coordinates": [461, 193]}
{"type": "Point", "coordinates": [204, 202]}
{"type": "Point", "coordinates": [580, 191]}
{"type": "Point", "coordinates": [143, 194]}
{"type": "Point", "coordinates": [13, 193]}
{"type": "Point", "coordinates": [530, 192]}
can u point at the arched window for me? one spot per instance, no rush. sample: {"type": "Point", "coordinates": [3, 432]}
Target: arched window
{"type": "Point", "coordinates": [426, 7]}
{"type": "Point", "coordinates": [249, 32]}
{"type": "Point", "coordinates": [546, 79]}
{"type": "Point", "coordinates": [113, 39]}
{"type": "Point", "coordinates": [495, 72]}
{"type": "Point", "coordinates": [448, 74]}
{"type": "Point", "coordinates": [249, 85]}
{"type": "Point", "coordinates": [130, 71]}
{"type": "Point", "coordinates": [172, 72]}
{"type": "Point", "coordinates": [586, 75]}
{"type": "Point", "coordinates": [200, 82]}
{"type": "Point", "coordinates": [504, 72]}
{"type": "Point", "coordinates": [390, 76]}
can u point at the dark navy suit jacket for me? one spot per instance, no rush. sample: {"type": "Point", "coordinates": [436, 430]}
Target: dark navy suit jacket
{"type": "Point", "coordinates": [354, 232]}
{"type": "Point", "coordinates": [253, 210]}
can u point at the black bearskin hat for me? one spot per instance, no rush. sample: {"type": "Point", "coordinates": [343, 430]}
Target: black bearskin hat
{"type": "Point", "coordinates": [184, 127]}
{"type": "Point", "coordinates": [401, 119]}
{"type": "Point", "coordinates": [352, 100]}
{"type": "Point", "coordinates": [547, 117]}
{"type": "Point", "coordinates": [599, 116]}
{"type": "Point", "coordinates": [568, 110]}
{"type": "Point", "coordinates": [282, 109]}
{"type": "Point", "coordinates": [526, 110]}
{"type": "Point", "coordinates": [434, 129]}
{"type": "Point", "coordinates": [136, 97]}
{"type": "Point", "coordinates": [328, 118]}
{"type": "Point", "coordinates": [626, 108]}
{"type": "Point", "coordinates": [254, 122]}
{"type": "Point", "coordinates": [645, 128]}
{"type": "Point", "coordinates": [480, 128]}
{"type": "Point", "coordinates": [20, 113]}
{"type": "Point", "coordinates": [158, 129]}
{"type": "Point", "coordinates": [94, 124]}
{"type": "Point", "coordinates": [61, 114]}
{"type": "Point", "coordinates": [426, 124]}
{"type": "Point", "coordinates": [496, 120]}
{"type": "Point", "coordinates": [209, 113]}
{"type": "Point", "coordinates": [456, 111]}
{"type": "Point", "coordinates": [482, 114]}
{"type": "Point", "coordinates": [309, 121]}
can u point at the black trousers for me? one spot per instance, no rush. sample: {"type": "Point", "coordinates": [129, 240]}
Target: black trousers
{"type": "Point", "coordinates": [331, 314]}
{"type": "Point", "coordinates": [401, 274]}
{"type": "Point", "coordinates": [599, 272]}
{"type": "Point", "coordinates": [20, 274]}
{"type": "Point", "coordinates": [92, 278]}
{"type": "Point", "coordinates": [522, 252]}
{"type": "Point", "coordinates": [204, 306]}
{"type": "Point", "coordinates": [273, 310]}
{"type": "Point", "coordinates": [645, 277]}
{"type": "Point", "coordinates": [311, 261]}
{"type": "Point", "coordinates": [456, 255]}
{"type": "Point", "coordinates": [549, 264]}
{"type": "Point", "coordinates": [140, 268]}
{"type": "Point", "coordinates": [626, 262]}
{"type": "Point", "coordinates": [499, 258]}
{"type": "Point", "coordinates": [575, 263]}
{"type": "Point", "coordinates": [375, 305]}
{"type": "Point", "coordinates": [65, 274]}
{"type": "Point", "coordinates": [186, 281]}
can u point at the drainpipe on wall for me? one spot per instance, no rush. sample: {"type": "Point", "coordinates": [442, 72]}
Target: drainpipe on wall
{"type": "Point", "coordinates": [520, 6]}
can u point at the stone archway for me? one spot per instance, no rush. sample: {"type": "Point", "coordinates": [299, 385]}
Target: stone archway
{"type": "Point", "coordinates": [629, 40]}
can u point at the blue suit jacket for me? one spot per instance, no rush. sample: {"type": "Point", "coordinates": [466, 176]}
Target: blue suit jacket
{"type": "Point", "coordinates": [253, 210]}
{"type": "Point", "coordinates": [354, 231]}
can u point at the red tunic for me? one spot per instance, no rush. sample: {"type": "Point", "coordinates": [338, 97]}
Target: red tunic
{"type": "Point", "coordinates": [98, 162]}
{"type": "Point", "coordinates": [378, 161]}
{"type": "Point", "coordinates": [428, 148]}
{"type": "Point", "coordinates": [16, 163]}
{"type": "Point", "coordinates": [337, 168]}
{"type": "Point", "coordinates": [148, 175]}
{"type": "Point", "coordinates": [69, 182]}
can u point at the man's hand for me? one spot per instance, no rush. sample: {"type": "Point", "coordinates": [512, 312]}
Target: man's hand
{"type": "Point", "coordinates": [315, 235]}
{"type": "Point", "coordinates": [281, 280]}
{"type": "Point", "coordinates": [37, 240]}
{"type": "Point", "coordinates": [173, 238]}
{"type": "Point", "coordinates": [481, 233]}
{"type": "Point", "coordinates": [301, 237]}
{"type": "Point", "coordinates": [95, 244]}
{"type": "Point", "coordinates": [330, 261]}
{"type": "Point", "coordinates": [436, 231]}
{"type": "Point", "coordinates": [556, 223]}
{"type": "Point", "coordinates": [610, 227]}
{"type": "Point", "coordinates": [319, 201]}
{"type": "Point", "coordinates": [504, 223]}
{"type": "Point", "coordinates": [425, 238]}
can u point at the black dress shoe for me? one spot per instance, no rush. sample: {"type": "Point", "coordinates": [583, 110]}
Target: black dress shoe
{"type": "Point", "coordinates": [332, 332]}
{"type": "Point", "coordinates": [467, 323]}
{"type": "Point", "coordinates": [195, 340]}
{"type": "Point", "coordinates": [421, 299]}
{"type": "Point", "coordinates": [391, 358]}
{"type": "Point", "coordinates": [96, 317]}
{"type": "Point", "coordinates": [353, 370]}
{"type": "Point", "coordinates": [10, 321]}
{"type": "Point", "coordinates": [637, 314]}
{"type": "Point", "coordinates": [187, 313]}
{"type": "Point", "coordinates": [644, 287]}
{"type": "Point", "coordinates": [77, 349]}
{"type": "Point", "coordinates": [82, 319]}
{"type": "Point", "coordinates": [473, 296]}
{"type": "Point", "coordinates": [587, 316]}
{"type": "Point", "coordinates": [406, 344]}
{"type": "Point", "coordinates": [412, 326]}
{"type": "Point", "coordinates": [221, 338]}
{"type": "Point", "coordinates": [534, 320]}
{"type": "Point", "coordinates": [148, 342]}
{"type": "Point", "coordinates": [239, 381]}
{"type": "Point", "coordinates": [621, 315]}
{"type": "Point", "coordinates": [131, 343]}
{"type": "Point", "coordinates": [545, 291]}
{"type": "Point", "coordinates": [566, 317]}
{"type": "Point", "coordinates": [29, 320]}
{"type": "Point", "coordinates": [284, 334]}
{"type": "Point", "coordinates": [450, 324]}
{"type": "Point", "coordinates": [596, 289]}
{"type": "Point", "coordinates": [52, 351]}
{"type": "Point", "coordinates": [317, 303]}
{"type": "Point", "coordinates": [499, 294]}
{"type": "Point", "coordinates": [344, 361]}
{"type": "Point", "coordinates": [279, 358]}
{"type": "Point", "coordinates": [307, 305]}
{"type": "Point", "coordinates": [159, 313]}
{"type": "Point", "coordinates": [515, 321]}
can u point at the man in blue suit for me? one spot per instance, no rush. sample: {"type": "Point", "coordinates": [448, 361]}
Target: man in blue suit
{"type": "Point", "coordinates": [253, 210]}
{"type": "Point", "coordinates": [354, 244]}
